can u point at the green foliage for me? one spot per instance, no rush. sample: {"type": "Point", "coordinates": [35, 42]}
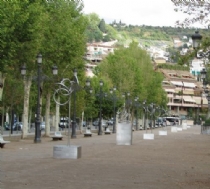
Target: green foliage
{"type": "Point", "coordinates": [54, 28]}
{"type": "Point", "coordinates": [102, 26]}
{"type": "Point", "coordinates": [207, 122]}
{"type": "Point", "coordinates": [127, 69]}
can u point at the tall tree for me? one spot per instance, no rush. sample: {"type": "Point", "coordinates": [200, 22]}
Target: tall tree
{"type": "Point", "coordinates": [127, 69]}
{"type": "Point", "coordinates": [102, 26]}
{"type": "Point", "coordinates": [54, 27]}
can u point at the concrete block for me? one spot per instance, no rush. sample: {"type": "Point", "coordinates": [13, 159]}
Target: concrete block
{"type": "Point", "coordinates": [67, 152]}
{"type": "Point", "coordinates": [124, 134]}
{"type": "Point", "coordinates": [148, 136]}
{"type": "Point", "coordinates": [163, 133]}
{"type": "Point", "coordinates": [173, 129]}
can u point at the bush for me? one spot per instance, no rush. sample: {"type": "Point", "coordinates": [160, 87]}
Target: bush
{"type": "Point", "coordinates": [207, 122]}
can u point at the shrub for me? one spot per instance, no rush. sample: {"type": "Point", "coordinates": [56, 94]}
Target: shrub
{"type": "Point", "coordinates": [207, 122]}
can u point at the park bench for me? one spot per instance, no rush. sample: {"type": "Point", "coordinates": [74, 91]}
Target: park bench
{"type": "Point", "coordinates": [57, 136]}
{"type": "Point", "coordinates": [88, 133]}
{"type": "Point", "coordinates": [3, 142]}
{"type": "Point", "coordinates": [107, 131]}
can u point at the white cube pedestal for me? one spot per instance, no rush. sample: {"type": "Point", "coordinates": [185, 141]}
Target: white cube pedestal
{"type": "Point", "coordinates": [124, 134]}
{"type": "Point", "coordinates": [184, 126]}
{"type": "Point", "coordinates": [162, 133]}
{"type": "Point", "coordinates": [148, 136]}
{"type": "Point", "coordinates": [174, 129]}
{"type": "Point", "coordinates": [67, 152]}
{"type": "Point", "coordinates": [179, 129]}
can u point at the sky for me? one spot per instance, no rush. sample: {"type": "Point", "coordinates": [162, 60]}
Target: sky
{"type": "Point", "coordinates": [135, 12]}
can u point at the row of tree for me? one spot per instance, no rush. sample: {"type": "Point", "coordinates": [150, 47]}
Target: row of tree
{"type": "Point", "coordinates": [56, 29]}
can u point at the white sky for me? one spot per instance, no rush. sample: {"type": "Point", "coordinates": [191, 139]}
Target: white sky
{"type": "Point", "coordinates": [135, 12]}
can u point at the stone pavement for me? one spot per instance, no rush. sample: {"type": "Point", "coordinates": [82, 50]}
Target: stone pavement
{"type": "Point", "coordinates": [178, 160]}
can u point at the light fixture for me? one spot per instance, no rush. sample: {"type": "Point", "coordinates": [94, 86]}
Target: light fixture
{"type": "Point", "coordinates": [196, 38]}
{"type": "Point", "coordinates": [39, 58]}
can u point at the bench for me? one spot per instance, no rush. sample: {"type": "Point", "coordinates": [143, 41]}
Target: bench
{"type": "Point", "coordinates": [107, 131]}
{"type": "Point", "coordinates": [88, 133]}
{"type": "Point", "coordinates": [57, 136]}
{"type": "Point", "coordinates": [3, 142]}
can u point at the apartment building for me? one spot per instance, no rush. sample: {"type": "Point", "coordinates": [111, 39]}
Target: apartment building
{"type": "Point", "coordinates": [184, 92]}
{"type": "Point", "coordinates": [97, 51]}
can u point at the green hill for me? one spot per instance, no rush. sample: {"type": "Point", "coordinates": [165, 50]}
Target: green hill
{"type": "Point", "coordinates": [98, 30]}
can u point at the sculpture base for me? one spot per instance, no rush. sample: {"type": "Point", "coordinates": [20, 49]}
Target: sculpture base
{"type": "Point", "coordinates": [184, 126]}
{"type": "Point", "coordinates": [148, 136]}
{"type": "Point", "coordinates": [179, 129]}
{"type": "Point", "coordinates": [124, 134]}
{"type": "Point", "coordinates": [67, 152]}
{"type": "Point", "coordinates": [163, 133]}
{"type": "Point", "coordinates": [174, 129]}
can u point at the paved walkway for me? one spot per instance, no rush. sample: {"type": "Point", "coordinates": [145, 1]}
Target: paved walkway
{"type": "Point", "coordinates": [176, 161]}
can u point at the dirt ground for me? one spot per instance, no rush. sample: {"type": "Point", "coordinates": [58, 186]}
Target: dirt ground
{"type": "Point", "coordinates": [176, 161]}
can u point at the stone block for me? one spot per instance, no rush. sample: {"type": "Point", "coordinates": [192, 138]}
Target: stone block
{"type": "Point", "coordinates": [67, 152]}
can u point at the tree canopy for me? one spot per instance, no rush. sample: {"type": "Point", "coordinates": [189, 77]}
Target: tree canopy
{"type": "Point", "coordinates": [197, 10]}
{"type": "Point", "coordinates": [130, 70]}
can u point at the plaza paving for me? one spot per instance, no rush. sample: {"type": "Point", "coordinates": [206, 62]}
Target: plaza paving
{"type": "Point", "coordinates": [178, 160]}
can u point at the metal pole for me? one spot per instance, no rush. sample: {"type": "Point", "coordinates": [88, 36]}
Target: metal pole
{"type": "Point", "coordinates": [114, 120]}
{"type": "Point", "coordinates": [100, 116]}
{"type": "Point", "coordinates": [137, 119]}
{"type": "Point", "coordinates": [69, 120]}
{"type": "Point", "coordinates": [73, 133]}
{"type": "Point", "coordinates": [37, 138]}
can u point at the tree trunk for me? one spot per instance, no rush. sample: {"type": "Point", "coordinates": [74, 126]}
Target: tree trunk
{"type": "Point", "coordinates": [47, 115]}
{"type": "Point", "coordinates": [2, 79]}
{"type": "Point", "coordinates": [27, 86]}
{"type": "Point", "coordinates": [81, 123]}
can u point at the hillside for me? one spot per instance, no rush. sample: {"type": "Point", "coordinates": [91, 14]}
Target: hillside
{"type": "Point", "coordinates": [98, 30]}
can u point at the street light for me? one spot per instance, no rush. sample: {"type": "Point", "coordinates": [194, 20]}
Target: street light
{"type": "Point", "coordinates": [100, 103]}
{"type": "Point", "coordinates": [73, 133]}
{"type": "Point", "coordinates": [113, 91]}
{"type": "Point", "coordinates": [39, 77]}
{"type": "Point", "coordinates": [137, 105]}
{"type": "Point", "coordinates": [76, 87]}
{"type": "Point", "coordinates": [196, 38]}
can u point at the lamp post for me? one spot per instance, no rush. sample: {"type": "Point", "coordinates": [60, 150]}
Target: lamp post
{"type": "Point", "coordinates": [75, 83]}
{"type": "Point", "coordinates": [196, 38]}
{"type": "Point", "coordinates": [101, 83]}
{"type": "Point", "coordinates": [113, 91]}
{"type": "Point", "coordinates": [37, 138]}
{"type": "Point", "coordinates": [208, 98]}
{"type": "Point", "coordinates": [145, 114]}
{"type": "Point", "coordinates": [137, 105]}
{"type": "Point", "coordinates": [39, 77]}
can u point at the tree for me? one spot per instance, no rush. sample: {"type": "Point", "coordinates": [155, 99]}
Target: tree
{"type": "Point", "coordinates": [55, 28]}
{"type": "Point", "coordinates": [102, 26]}
{"type": "Point", "coordinates": [197, 10]}
{"type": "Point", "coordinates": [127, 69]}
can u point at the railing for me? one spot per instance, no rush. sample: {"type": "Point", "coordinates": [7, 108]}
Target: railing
{"type": "Point", "coordinates": [205, 129]}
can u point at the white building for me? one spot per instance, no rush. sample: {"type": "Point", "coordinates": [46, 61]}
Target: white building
{"type": "Point", "coordinates": [196, 66]}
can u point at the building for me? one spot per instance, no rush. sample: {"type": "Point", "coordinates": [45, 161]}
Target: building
{"type": "Point", "coordinates": [96, 52]}
{"type": "Point", "coordinates": [196, 66]}
{"type": "Point", "coordinates": [184, 92]}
